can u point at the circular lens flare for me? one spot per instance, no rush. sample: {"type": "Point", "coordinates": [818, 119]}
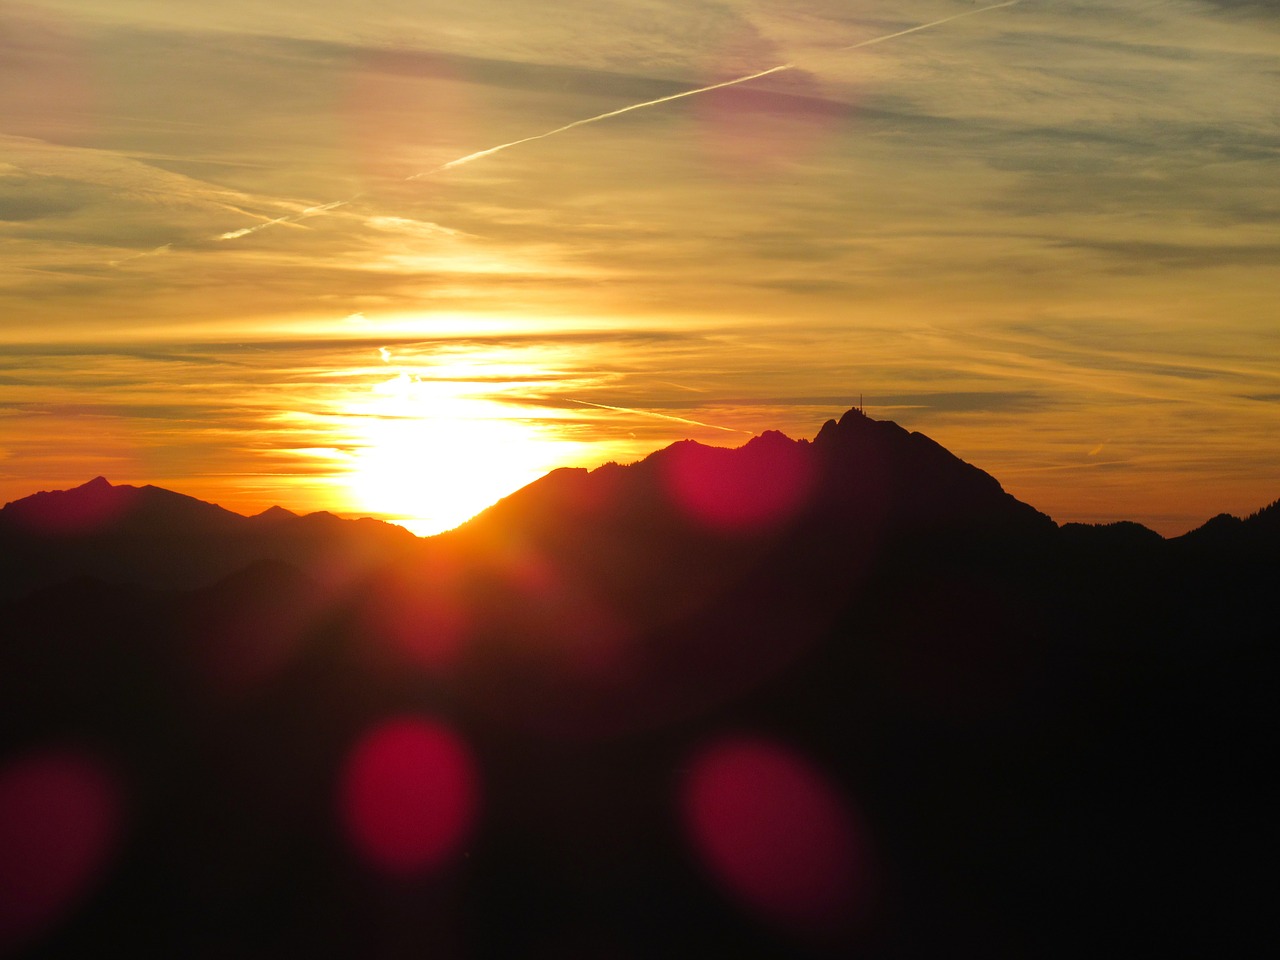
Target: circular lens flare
{"type": "Point", "coordinates": [408, 795]}
{"type": "Point", "coordinates": [59, 822]}
{"type": "Point", "coordinates": [776, 835]}
{"type": "Point", "coordinates": [749, 490]}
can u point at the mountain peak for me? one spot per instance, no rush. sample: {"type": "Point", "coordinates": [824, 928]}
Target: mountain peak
{"type": "Point", "coordinates": [275, 513]}
{"type": "Point", "coordinates": [909, 482]}
{"type": "Point", "coordinates": [78, 510]}
{"type": "Point", "coordinates": [859, 476]}
{"type": "Point", "coordinates": [160, 538]}
{"type": "Point", "coordinates": [852, 423]}
{"type": "Point", "coordinates": [771, 438]}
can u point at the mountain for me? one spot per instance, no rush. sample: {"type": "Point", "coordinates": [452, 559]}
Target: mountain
{"type": "Point", "coordinates": [860, 481]}
{"type": "Point", "coordinates": [804, 698]}
{"type": "Point", "coordinates": [866, 477]}
{"type": "Point", "coordinates": [646, 592]}
{"type": "Point", "coordinates": [693, 520]}
{"type": "Point", "coordinates": [1226, 537]}
{"type": "Point", "coordinates": [154, 537]}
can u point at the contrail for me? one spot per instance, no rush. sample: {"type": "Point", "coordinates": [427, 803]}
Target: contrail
{"type": "Point", "coordinates": [155, 251]}
{"type": "Point", "coordinates": [293, 219]}
{"type": "Point", "coordinates": [602, 116]}
{"type": "Point", "coordinates": [659, 416]}
{"type": "Point", "coordinates": [745, 78]}
{"type": "Point", "coordinates": [289, 220]}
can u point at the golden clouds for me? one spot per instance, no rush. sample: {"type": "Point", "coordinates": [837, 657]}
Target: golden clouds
{"type": "Point", "coordinates": [987, 225]}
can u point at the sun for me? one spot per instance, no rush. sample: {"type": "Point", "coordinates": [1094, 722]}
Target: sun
{"type": "Point", "coordinates": [430, 455]}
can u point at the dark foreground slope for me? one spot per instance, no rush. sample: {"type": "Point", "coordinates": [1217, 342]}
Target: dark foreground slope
{"type": "Point", "coordinates": [840, 697]}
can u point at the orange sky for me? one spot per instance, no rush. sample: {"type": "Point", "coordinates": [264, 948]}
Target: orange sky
{"type": "Point", "coordinates": [1046, 235]}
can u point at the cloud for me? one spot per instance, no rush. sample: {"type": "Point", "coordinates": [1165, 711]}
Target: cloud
{"type": "Point", "coordinates": [749, 77]}
{"type": "Point", "coordinates": [1265, 8]}
{"type": "Point", "coordinates": [657, 416]}
{"type": "Point", "coordinates": [1151, 255]}
{"type": "Point", "coordinates": [1005, 227]}
{"type": "Point", "coordinates": [51, 164]}
{"type": "Point", "coordinates": [25, 197]}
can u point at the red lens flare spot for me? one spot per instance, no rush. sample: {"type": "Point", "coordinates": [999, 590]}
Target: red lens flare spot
{"type": "Point", "coordinates": [776, 836]}
{"type": "Point", "coordinates": [409, 795]}
{"type": "Point", "coordinates": [751, 490]}
{"type": "Point", "coordinates": [59, 823]}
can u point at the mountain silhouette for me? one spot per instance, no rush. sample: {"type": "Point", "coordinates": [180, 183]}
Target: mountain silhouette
{"type": "Point", "coordinates": [861, 475]}
{"type": "Point", "coordinates": [154, 537]}
{"type": "Point", "coordinates": [803, 698]}
{"type": "Point", "coordinates": [1228, 538]}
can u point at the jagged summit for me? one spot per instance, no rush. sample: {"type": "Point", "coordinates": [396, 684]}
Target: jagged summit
{"type": "Point", "coordinates": [770, 438]}
{"type": "Point", "coordinates": [1268, 518]}
{"type": "Point", "coordinates": [859, 486]}
{"type": "Point", "coordinates": [100, 506]}
{"type": "Point", "coordinates": [858, 477]}
{"type": "Point", "coordinates": [274, 513]}
{"type": "Point", "coordinates": [854, 653]}
{"type": "Point", "coordinates": [98, 486]}
{"type": "Point", "coordinates": [913, 481]}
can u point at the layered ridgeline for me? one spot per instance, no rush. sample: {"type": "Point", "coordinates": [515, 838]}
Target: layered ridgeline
{"type": "Point", "coordinates": [806, 697]}
{"type": "Point", "coordinates": [861, 490]}
{"type": "Point", "coordinates": [861, 481]}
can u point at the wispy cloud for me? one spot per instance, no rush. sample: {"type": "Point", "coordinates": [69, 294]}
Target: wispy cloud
{"type": "Point", "coordinates": [1003, 230]}
{"type": "Point", "coordinates": [658, 416]}
{"type": "Point", "coordinates": [631, 108]}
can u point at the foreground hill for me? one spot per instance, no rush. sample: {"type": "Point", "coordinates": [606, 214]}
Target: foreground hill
{"type": "Point", "coordinates": [839, 697]}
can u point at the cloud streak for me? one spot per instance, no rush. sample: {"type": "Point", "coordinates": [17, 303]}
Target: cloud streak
{"type": "Point", "coordinates": [745, 78]}
{"type": "Point", "coordinates": [659, 416]}
{"type": "Point", "coordinates": [630, 108]}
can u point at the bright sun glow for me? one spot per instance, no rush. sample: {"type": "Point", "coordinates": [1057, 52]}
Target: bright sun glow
{"type": "Point", "coordinates": [431, 454]}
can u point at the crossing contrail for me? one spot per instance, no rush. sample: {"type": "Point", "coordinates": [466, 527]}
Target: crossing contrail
{"type": "Point", "coordinates": [291, 219]}
{"type": "Point", "coordinates": [319, 209]}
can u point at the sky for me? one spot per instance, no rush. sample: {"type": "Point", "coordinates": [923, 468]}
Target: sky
{"type": "Point", "coordinates": [239, 257]}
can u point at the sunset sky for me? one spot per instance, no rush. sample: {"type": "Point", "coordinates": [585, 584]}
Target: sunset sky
{"type": "Point", "coordinates": [1047, 235]}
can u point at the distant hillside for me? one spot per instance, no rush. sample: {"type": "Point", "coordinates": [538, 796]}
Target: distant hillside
{"type": "Point", "coordinates": [157, 538]}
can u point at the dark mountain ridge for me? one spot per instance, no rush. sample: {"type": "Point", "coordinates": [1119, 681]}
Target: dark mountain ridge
{"type": "Point", "coordinates": [860, 483]}
{"type": "Point", "coordinates": [839, 697]}
{"type": "Point", "coordinates": [858, 473]}
{"type": "Point", "coordinates": [155, 537]}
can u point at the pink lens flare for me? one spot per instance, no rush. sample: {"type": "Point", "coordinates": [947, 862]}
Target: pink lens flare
{"type": "Point", "coordinates": [60, 821]}
{"type": "Point", "coordinates": [777, 836]}
{"type": "Point", "coordinates": [751, 490]}
{"type": "Point", "coordinates": [409, 795]}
